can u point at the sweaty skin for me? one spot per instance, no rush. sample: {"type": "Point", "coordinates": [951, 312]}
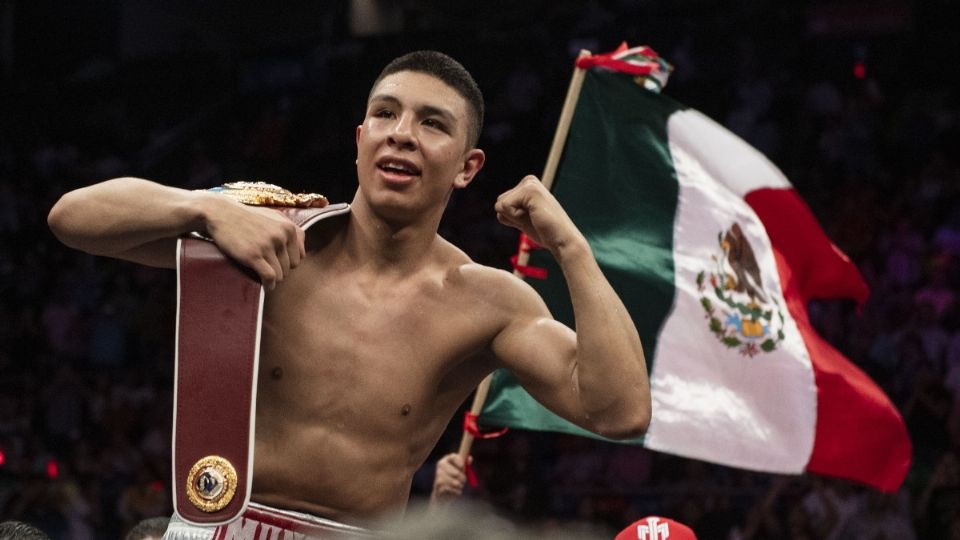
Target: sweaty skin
{"type": "Point", "coordinates": [373, 369]}
{"type": "Point", "coordinates": [376, 329]}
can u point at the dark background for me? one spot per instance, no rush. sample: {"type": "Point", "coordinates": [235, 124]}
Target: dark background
{"type": "Point", "coordinates": [857, 102]}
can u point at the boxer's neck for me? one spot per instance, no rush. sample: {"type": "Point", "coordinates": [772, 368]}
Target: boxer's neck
{"type": "Point", "coordinates": [386, 246]}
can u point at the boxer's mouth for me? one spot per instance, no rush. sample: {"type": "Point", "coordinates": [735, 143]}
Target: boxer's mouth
{"type": "Point", "coordinates": [398, 168]}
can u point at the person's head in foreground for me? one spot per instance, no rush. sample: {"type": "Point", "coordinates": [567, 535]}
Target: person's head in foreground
{"type": "Point", "coordinates": [149, 529]}
{"type": "Point", "coordinates": [656, 528]}
{"type": "Point", "coordinates": [16, 530]}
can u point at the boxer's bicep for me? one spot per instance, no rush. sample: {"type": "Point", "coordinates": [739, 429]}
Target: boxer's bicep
{"type": "Point", "coordinates": [542, 354]}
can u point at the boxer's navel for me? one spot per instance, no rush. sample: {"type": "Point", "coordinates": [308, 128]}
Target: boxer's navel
{"type": "Point", "coordinates": [405, 410]}
{"type": "Point", "coordinates": [276, 373]}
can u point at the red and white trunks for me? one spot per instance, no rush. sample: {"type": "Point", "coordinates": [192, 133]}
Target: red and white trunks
{"type": "Point", "coordinates": [260, 522]}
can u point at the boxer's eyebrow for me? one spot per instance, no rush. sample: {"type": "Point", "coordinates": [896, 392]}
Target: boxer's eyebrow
{"type": "Point", "coordinates": [423, 110]}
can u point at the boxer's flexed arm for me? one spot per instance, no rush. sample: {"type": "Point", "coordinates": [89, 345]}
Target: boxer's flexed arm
{"type": "Point", "coordinates": [139, 220]}
{"type": "Point", "coordinates": [596, 376]}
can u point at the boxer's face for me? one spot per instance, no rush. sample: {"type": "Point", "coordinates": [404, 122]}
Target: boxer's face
{"type": "Point", "coordinates": [412, 146]}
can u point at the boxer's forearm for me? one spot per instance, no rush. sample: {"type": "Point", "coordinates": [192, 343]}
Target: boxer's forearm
{"type": "Point", "coordinates": [611, 371]}
{"type": "Point", "coordinates": [115, 216]}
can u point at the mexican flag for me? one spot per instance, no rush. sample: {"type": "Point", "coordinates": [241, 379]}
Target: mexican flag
{"type": "Point", "coordinates": [716, 257]}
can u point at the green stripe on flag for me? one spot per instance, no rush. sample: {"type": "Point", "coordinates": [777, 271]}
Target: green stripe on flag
{"type": "Point", "coordinates": [616, 181]}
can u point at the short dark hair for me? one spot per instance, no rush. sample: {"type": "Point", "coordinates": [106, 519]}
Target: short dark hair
{"type": "Point", "coordinates": [452, 73]}
{"type": "Point", "coordinates": [16, 530]}
{"type": "Point", "coordinates": [150, 527]}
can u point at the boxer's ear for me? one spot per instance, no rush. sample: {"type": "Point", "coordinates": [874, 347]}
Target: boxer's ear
{"type": "Point", "coordinates": [472, 163]}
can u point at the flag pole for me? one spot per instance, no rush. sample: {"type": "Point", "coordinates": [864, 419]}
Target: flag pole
{"type": "Point", "coordinates": [523, 253]}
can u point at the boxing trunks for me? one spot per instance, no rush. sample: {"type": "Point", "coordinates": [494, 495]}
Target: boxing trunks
{"type": "Point", "coordinates": [260, 522]}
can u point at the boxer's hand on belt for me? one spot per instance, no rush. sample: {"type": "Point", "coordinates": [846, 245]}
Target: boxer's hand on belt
{"type": "Point", "coordinates": [259, 238]}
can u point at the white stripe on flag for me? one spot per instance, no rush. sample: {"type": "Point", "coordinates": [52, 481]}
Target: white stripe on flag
{"type": "Point", "coordinates": [741, 167]}
{"type": "Point", "coordinates": [712, 401]}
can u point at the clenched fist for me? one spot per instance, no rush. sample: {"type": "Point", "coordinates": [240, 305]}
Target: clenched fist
{"type": "Point", "coordinates": [531, 208]}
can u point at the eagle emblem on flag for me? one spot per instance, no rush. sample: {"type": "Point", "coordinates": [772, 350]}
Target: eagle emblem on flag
{"type": "Point", "coordinates": [741, 313]}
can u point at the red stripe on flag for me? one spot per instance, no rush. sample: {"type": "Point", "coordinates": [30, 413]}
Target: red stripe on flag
{"type": "Point", "coordinates": [822, 269]}
{"type": "Point", "coordinates": [860, 435]}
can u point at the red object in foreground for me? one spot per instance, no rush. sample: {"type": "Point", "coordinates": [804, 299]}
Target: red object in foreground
{"type": "Point", "coordinates": [656, 528]}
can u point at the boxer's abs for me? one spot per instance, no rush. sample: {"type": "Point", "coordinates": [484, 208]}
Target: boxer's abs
{"type": "Point", "coordinates": [328, 475]}
{"type": "Point", "coordinates": [340, 440]}
{"type": "Point", "coordinates": [355, 387]}
{"type": "Point", "coordinates": [342, 426]}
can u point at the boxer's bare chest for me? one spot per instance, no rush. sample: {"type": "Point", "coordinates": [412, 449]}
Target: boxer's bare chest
{"type": "Point", "coordinates": [338, 346]}
{"type": "Point", "coordinates": [360, 374]}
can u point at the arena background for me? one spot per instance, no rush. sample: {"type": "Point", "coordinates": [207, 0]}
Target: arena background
{"type": "Point", "coordinates": [857, 102]}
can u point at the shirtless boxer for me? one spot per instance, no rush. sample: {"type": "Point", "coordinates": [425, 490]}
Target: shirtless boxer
{"type": "Point", "coordinates": [375, 328]}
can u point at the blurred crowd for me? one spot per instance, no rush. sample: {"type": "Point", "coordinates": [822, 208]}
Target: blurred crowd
{"type": "Point", "coordinates": [861, 121]}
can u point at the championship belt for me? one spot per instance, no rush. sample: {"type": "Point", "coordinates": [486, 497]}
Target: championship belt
{"type": "Point", "coordinates": [219, 312]}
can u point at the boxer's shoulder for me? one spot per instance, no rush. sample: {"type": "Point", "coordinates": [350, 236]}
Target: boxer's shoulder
{"type": "Point", "coordinates": [494, 287]}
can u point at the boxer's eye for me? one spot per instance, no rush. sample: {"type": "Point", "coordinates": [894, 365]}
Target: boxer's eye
{"type": "Point", "coordinates": [435, 124]}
